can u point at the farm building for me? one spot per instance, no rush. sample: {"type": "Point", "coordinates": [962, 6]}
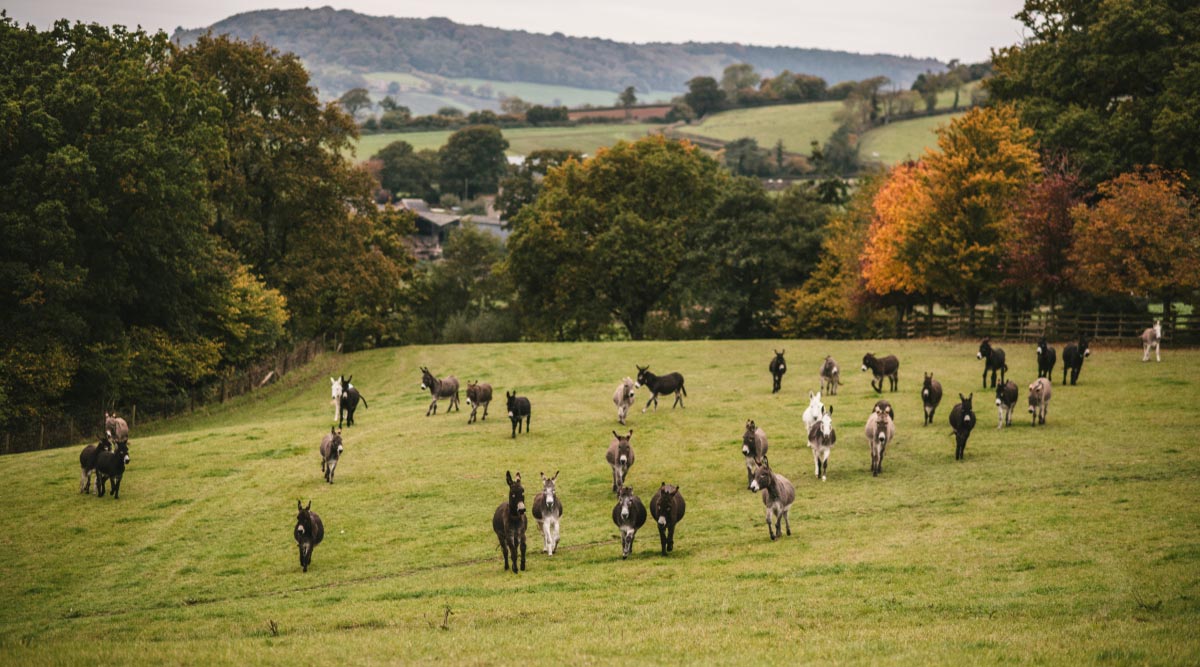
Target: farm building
{"type": "Point", "coordinates": [434, 226]}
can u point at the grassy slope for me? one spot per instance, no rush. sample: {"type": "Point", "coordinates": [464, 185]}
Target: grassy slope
{"type": "Point", "coordinates": [522, 140]}
{"type": "Point", "coordinates": [1066, 544]}
{"type": "Point", "coordinates": [796, 124]}
{"type": "Point", "coordinates": [902, 140]}
{"type": "Point", "coordinates": [535, 93]}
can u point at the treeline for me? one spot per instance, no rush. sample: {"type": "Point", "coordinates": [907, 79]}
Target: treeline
{"type": "Point", "coordinates": [170, 214]}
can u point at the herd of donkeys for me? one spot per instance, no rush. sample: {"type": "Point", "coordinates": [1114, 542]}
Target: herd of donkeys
{"type": "Point", "coordinates": [108, 458]}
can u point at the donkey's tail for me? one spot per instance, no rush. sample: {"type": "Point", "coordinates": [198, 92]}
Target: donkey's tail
{"type": "Point", "coordinates": [683, 389]}
{"type": "Point", "coordinates": [364, 400]}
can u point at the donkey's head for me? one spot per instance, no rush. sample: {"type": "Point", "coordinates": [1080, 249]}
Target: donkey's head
{"type": "Point", "coordinates": [304, 522]}
{"type": "Point", "coordinates": [624, 450]}
{"type": "Point", "coordinates": [345, 386]}
{"type": "Point", "coordinates": [666, 503]}
{"type": "Point", "coordinates": [1083, 347]}
{"type": "Point", "coordinates": [472, 391]}
{"type": "Point", "coordinates": [826, 422]}
{"type": "Point", "coordinates": [779, 359]}
{"type": "Point", "coordinates": [1157, 328]}
{"type": "Point", "coordinates": [427, 380]}
{"type": "Point", "coordinates": [642, 376]}
{"type": "Point", "coordinates": [985, 349]}
{"type": "Point", "coordinates": [868, 361]}
{"type": "Point", "coordinates": [748, 444]}
{"type": "Point", "coordinates": [335, 388]}
{"type": "Point", "coordinates": [762, 475]}
{"type": "Point", "coordinates": [335, 445]}
{"type": "Point", "coordinates": [814, 403]}
{"type": "Point", "coordinates": [1002, 390]}
{"type": "Point", "coordinates": [627, 390]}
{"type": "Point", "coordinates": [516, 494]}
{"type": "Point", "coordinates": [548, 488]}
{"type": "Point", "coordinates": [927, 387]}
{"type": "Point", "coordinates": [1042, 345]}
{"type": "Point", "coordinates": [625, 500]}
{"type": "Point", "coordinates": [1036, 391]}
{"type": "Point", "coordinates": [965, 401]}
{"type": "Point", "coordinates": [123, 452]}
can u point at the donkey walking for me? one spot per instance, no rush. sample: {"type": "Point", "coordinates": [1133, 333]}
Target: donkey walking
{"type": "Point", "coordinates": [754, 448]}
{"type": "Point", "coordinates": [620, 457]}
{"type": "Point", "coordinates": [931, 397]}
{"type": "Point", "coordinates": [116, 429]}
{"type": "Point", "coordinates": [667, 508]}
{"type": "Point", "coordinates": [829, 376]}
{"type": "Point", "coordinates": [509, 522]}
{"type": "Point", "coordinates": [110, 466]}
{"type": "Point", "coordinates": [777, 367]}
{"type": "Point", "coordinates": [87, 464]}
{"type": "Point", "coordinates": [1045, 358]}
{"type": "Point", "coordinates": [478, 393]}
{"type": "Point", "coordinates": [1152, 338]}
{"type": "Point", "coordinates": [962, 421]}
{"type": "Point", "coordinates": [1006, 400]}
{"type": "Point", "coordinates": [629, 514]}
{"type": "Point", "coordinates": [821, 438]}
{"type": "Point", "coordinates": [348, 397]}
{"type": "Point", "coordinates": [518, 407]}
{"type": "Point", "coordinates": [883, 367]}
{"type": "Point", "coordinates": [309, 532]}
{"type": "Point", "coordinates": [993, 360]}
{"type": "Point", "coordinates": [1073, 356]}
{"type": "Point", "coordinates": [879, 431]}
{"type": "Point", "coordinates": [331, 452]}
{"type": "Point", "coordinates": [439, 388]}
{"type": "Point", "coordinates": [778, 494]}
{"type": "Point", "coordinates": [1039, 399]}
{"type": "Point", "coordinates": [548, 511]}
{"type": "Point", "coordinates": [623, 398]}
{"type": "Point", "coordinates": [660, 386]}
{"type": "Point", "coordinates": [813, 412]}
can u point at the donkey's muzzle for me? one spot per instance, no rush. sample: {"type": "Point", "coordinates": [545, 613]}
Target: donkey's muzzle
{"type": "Point", "coordinates": [520, 508]}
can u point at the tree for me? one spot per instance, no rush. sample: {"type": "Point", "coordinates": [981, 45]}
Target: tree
{"type": "Point", "coordinates": [704, 96]}
{"type": "Point", "coordinates": [407, 173]}
{"type": "Point", "coordinates": [513, 106]}
{"type": "Point", "coordinates": [521, 187]}
{"type": "Point", "coordinates": [1143, 236]}
{"type": "Point", "coordinates": [744, 158]}
{"type": "Point", "coordinates": [737, 78]}
{"type": "Point", "coordinates": [539, 114]}
{"type": "Point", "coordinates": [389, 103]}
{"type": "Point", "coordinates": [394, 119]}
{"type": "Point", "coordinates": [984, 162]}
{"type": "Point", "coordinates": [1113, 85]}
{"type": "Point", "coordinates": [450, 111]}
{"type": "Point", "coordinates": [627, 99]}
{"type": "Point", "coordinates": [605, 238]}
{"type": "Point", "coordinates": [355, 100]}
{"type": "Point", "coordinates": [900, 206]}
{"type": "Point", "coordinates": [1037, 248]}
{"type": "Point", "coordinates": [472, 161]}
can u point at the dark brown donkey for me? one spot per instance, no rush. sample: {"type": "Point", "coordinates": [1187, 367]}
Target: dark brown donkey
{"type": "Point", "coordinates": [87, 463]}
{"type": "Point", "coordinates": [439, 388]}
{"type": "Point", "coordinates": [478, 393]}
{"type": "Point", "coordinates": [309, 532]}
{"type": "Point", "coordinates": [510, 522]}
{"type": "Point", "coordinates": [660, 385]}
{"type": "Point", "coordinates": [882, 367]}
{"type": "Point", "coordinates": [667, 508]}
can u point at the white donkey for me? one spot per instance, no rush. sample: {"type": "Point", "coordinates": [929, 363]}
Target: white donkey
{"type": "Point", "coordinates": [623, 398]}
{"type": "Point", "coordinates": [1152, 338]}
{"type": "Point", "coordinates": [812, 414]}
{"type": "Point", "coordinates": [547, 511]}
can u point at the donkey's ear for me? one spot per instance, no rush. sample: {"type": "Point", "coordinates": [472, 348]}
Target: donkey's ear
{"type": "Point", "coordinates": [616, 436]}
{"type": "Point", "coordinates": [332, 430]}
{"type": "Point", "coordinates": [349, 379]}
{"type": "Point", "coordinates": [508, 476]}
{"type": "Point", "coordinates": [555, 476]}
{"type": "Point", "coordinates": [961, 397]}
{"type": "Point", "coordinates": [542, 475]}
{"type": "Point", "coordinates": [630, 434]}
{"type": "Point", "coordinates": [308, 506]}
{"type": "Point", "coordinates": [299, 506]}
{"type": "Point", "coordinates": [970, 396]}
{"type": "Point", "coordinates": [811, 395]}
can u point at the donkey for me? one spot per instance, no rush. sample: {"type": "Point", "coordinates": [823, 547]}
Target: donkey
{"type": "Point", "coordinates": [962, 420]}
{"type": "Point", "coordinates": [110, 466]}
{"type": "Point", "coordinates": [331, 452]}
{"type": "Point", "coordinates": [879, 431]}
{"type": "Point", "coordinates": [478, 393]}
{"type": "Point", "coordinates": [548, 511]}
{"type": "Point", "coordinates": [1006, 400]}
{"type": "Point", "coordinates": [778, 494]}
{"type": "Point", "coordinates": [1045, 358]}
{"type": "Point", "coordinates": [1039, 399]}
{"type": "Point", "coordinates": [830, 376]}
{"type": "Point", "coordinates": [518, 407]}
{"type": "Point", "coordinates": [754, 448]}
{"type": "Point", "coordinates": [660, 386]}
{"type": "Point", "coordinates": [884, 405]}
{"type": "Point", "coordinates": [87, 464]}
{"type": "Point", "coordinates": [993, 360]}
{"type": "Point", "coordinates": [629, 514]}
{"type": "Point", "coordinates": [667, 507]}
{"type": "Point", "coordinates": [821, 438]}
{"type": "Point", "coordinates": [510, 522]}
{"type": "Point", "coordinates": [620, 457]}
{"type": "Point", "coordinates": [439, 388]}
{"type": "Point", "coordinates": [885, 367]}
{"type": "Point", "coordinates": [1073, 356]}
{"type": "Point", "coordinates": [623, 398]}
{"type": "Point", "coordinates": [309, 532]}
{"type": "Point", "coordinates": [335, 396]}
{"type": "Point", "coordinates": [115, 428]}
{"type": "Point", "coordinates": [813, 412]}
{"type": "Point", "coordinates": [777, 367]}
{"type": "Point", "coordinates": [347, 402]}
{"type": "Point", "coordinates": [931, 396]}
{"type": "Point", "coordinates": [1152, 338]}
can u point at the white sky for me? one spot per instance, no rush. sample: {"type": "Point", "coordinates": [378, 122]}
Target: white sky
{"type": "Point", "coordinates": [943, 29]}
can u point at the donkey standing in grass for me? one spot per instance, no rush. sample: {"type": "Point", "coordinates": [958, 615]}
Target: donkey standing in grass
{"type": "Point", "coordinates": [667, 508]}
{"type": "Point", "coordinates": [309, 532]}
{"type": "Point", "coordinates": [1039, 399]}
{"type": "Point", "coordinates": [813, 412]}
{"type": "Point", "coordinates": [931, 396]}
{"type": "Point", "coordinates": [548, 511]}
{"type": "Point", "coordinates": [993, 360]}
{"type": "Point", "coordinates": [439, 388]}
{"type": "Point", "coordinates": [879, 430]}
{"type": "Point", "coordinates": [518, 408]}
{"type": "Point", "coordinates": [778, 494]}
{"type": "Point", "coordinates": [1006, 400]}
{"type": "Point", "coordinates": [777, 367]}
{"type": "Point", "coordinates": [331, 452]}
{"type": "Point", "coordinates": [829, 376]}
{"type": "Point", "coordinates": [671, 383]}
{"type": "Point", "coordinates": [620, 457]}
{"type": "Point", "coordinates": [1152, 338]}
{"type": "Point", "coordinates": [87, 464]}
{"type": "Point", "coordinates": [509, 522]}
{"type": "Point", "coordinates": [1073, 356]}
{"type": "Point", "coordinates": [623, 398]}
{"type": "Point", "coordinates": [347, 402]}
{"type": "Point", "coordinates": [962, 420]}
{"type": "Point", "coordinates": [110, 466]}
{"type": "Point", "coordinates": [478, 393]}
{"type": "Point", "coordinates": [1045, 358]}
{"type": "Point", "coordinates": [629, 514]}
{"type": "Point", "coordinates": [821, 438]}
{"type": "Point", "coordinates": [754, 448]}
{"type": "Point", "coordinates": [115, 429]}
{"type": "Point", "coordinates": [882, 367]}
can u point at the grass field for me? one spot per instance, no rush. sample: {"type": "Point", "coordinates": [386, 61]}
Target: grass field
{"type": "Point", "coordinates": [796, 124]}
{"type": "Point", "coordinates": [1066, 544]}
{"type": "Point", "coordinates": [522, 140]}
{"type": "Point", "coordinates": [535, 93]}
{"type": "Point", "coordinates": [902, 140]}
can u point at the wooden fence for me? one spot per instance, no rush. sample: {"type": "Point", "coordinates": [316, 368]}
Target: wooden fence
{"type": "Point", "coordinates": [1110, 329]}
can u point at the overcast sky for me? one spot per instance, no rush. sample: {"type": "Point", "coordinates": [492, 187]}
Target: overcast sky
{"type": "Point", "coordinates": [943, 29]}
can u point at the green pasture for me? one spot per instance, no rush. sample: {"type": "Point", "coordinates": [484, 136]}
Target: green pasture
{"type": "Point", "coordinates": [797, 125]}
{"type": "Point", "coordinates": [902, 140]}
{"type": "Point", "coordinates": [534, 93]}
{"type": "Point", "coordinates": [1072, 543]}
{"type": "Point", "coordinates": [521, 140]}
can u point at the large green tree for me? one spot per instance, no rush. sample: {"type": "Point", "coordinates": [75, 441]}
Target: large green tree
{"type": "Point", "coordinates": [473, 161]}
{"type": "Point", "coordinates": [408, 173]}
{"type": "Point", "coordinates": [704, 95]}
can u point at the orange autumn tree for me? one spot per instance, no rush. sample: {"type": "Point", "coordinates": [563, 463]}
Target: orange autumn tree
{"type": "Point", "coordinates": [897, 210]}
{"type": "Point", "coordinates": [1142, 237]}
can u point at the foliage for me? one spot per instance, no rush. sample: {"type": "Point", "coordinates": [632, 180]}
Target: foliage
{"type": "Point", "coordinates": [900, 206]}
{"type": "Point", "coordinates": [1037, 247]}
{"type": "Point", "coordinates": [521, 187]}
{"type": "Point", "coordinates": [738, 80]}
{"type": "Point", "coordinates": [743, 157]}
{"type": "Point", "coordinates": [541, 115]}
{"type": "Point", "coordinates": [408, 173]}
{"type": "Point", "coordinates": [704, 95]}
{"type": "Point", "coordinates": [472, 161]}
{"type": "Point", "coordinates": [355, 100]}
{"type": "Point", "coordinates": [628, 97]}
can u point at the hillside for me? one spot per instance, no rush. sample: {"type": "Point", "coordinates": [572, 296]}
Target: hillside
{"type": "Point", "coordinates": [901, 140]}
{"type": "Point", "coordinates": [1072, 543]}
{"type": "Point", "coordinates": [339, 46]}
{"type": "Point", "coordinates": [521, 140]}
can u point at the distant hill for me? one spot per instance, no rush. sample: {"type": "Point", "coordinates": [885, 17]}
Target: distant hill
{"type": "Point", "coordinates": [340, 46]}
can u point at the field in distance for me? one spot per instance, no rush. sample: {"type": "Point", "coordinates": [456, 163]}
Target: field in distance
{"type": "Point", "coordinates": [902, 140]}
{"type": "Point", "coordinates": [1064, 544]}
{"type": "Point", "coordinates": [521, 140]}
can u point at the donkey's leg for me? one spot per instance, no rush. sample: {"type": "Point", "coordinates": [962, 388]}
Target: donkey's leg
{"type": "Point", "coordinates": [504, 549]}
{"type": "Point", "coordinates": [84, 477]}
{"type": "Point", "coordinates": [786, 521]}
{"type": "Point", "coordinates": [521, 538]}
{"type": "Point", "coordinates": [648, 402]}
{"type": "Point", "coordinates": [485, 409]}
{"type": "Point", "coordinates": [678, 399]}
{"type": "Point", "coordinates": [769, 530]}
{"type": "Point", "coordinates": [671, 537]}
{"type": "Point", "coordinates": [432, 407]}
{"type": "Point", "coordinates": [1145, 352]}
